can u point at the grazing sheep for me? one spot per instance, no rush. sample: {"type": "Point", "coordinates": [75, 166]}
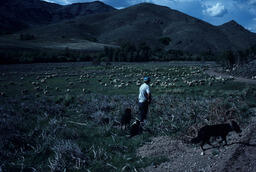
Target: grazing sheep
{"type": "Point", "coordinates": [11, 83]}
{"type": "Point", "coordinates": [3, 94]}
{"type": "Point", "coordinates": [104, 120]}
{"type": "Point", "coordinates": [24, 91]}
{"type": "Point", "coordinates": [126, 118]}
{"type": "Point", "coordinates": [135, 128]}
{"type": "Point", "coordinates": [37, 88]}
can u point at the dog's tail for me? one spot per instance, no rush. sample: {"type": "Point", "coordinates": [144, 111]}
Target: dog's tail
{"type": "Point", "coordinates": [195, 140]}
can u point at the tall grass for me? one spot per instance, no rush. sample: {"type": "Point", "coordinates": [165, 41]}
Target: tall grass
{"type": "Point", "coordinates": [52, 136]}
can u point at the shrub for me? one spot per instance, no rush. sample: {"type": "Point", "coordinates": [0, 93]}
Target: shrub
{"type": "Point", "coordinates": [67, 156]}
{"type": "Point", "coordinates": [26, 37]}
{"type": "Point", "coordinates": [68, 99]}
{"type": "Point", "coordinates": [96, 60]}
{"type": "Point", "coordinates": [165, 40]}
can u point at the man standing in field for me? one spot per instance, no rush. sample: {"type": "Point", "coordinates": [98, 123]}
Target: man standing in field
{"type": "Point", "coordinates": [144, 99]}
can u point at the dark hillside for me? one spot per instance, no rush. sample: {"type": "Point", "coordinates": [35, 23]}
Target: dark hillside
{"type": "Point", "coordinates": [19, 14]}
{"type": "Point", "coordinates": [16, 15]}
{"type": "Point", "coordinates": [82, 9]}
{"type": "Point", "coordinates": [151, 24]}
{"type": "Point", "coordinates": [142, 32]}
{"type": "Point", "coordinates": [238, 35]}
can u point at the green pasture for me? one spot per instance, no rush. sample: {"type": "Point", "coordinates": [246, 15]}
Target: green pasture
{"type": "Point", "coordinates": [57, 112]}
{"type": "Point", "coordinates": [115, 80]}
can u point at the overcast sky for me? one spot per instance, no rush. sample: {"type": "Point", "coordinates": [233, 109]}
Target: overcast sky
{"type": "Point", "coordinates": [215, 12]}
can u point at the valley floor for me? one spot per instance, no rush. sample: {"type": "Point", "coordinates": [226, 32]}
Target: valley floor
{"type": "Point", "coordinates": [65, 117]}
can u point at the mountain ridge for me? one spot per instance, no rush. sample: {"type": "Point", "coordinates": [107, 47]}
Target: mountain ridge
{"type": "Point", "coordinates": [149, 23]}
{"type": "Point", "coordinates": [143, 23]}
{"type": "Point", "coordinates": [16, 15]}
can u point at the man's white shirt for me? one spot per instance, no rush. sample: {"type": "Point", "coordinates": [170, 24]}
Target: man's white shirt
{"type": "Point", "coordinates": [144, 89]}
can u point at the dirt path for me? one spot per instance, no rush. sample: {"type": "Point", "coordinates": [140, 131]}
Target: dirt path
{"type": "Point", "coordinates": [239, 155]}
{"type": "Point", "coordinates": [212, 72]}
{"type": "Point", "coordinates": [244, 157]}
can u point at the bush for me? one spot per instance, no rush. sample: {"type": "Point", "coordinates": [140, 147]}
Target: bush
{"type": "Point", "coordinates": [26, 37]}
{"type": "Point", "coordinates": [67, 156]}
{"type": "Point", "coordinates": [96, 60]}
{"type": "Point", "coordinates": [165, 40]}
{"type": "Point", "coordinates": [68, 99]}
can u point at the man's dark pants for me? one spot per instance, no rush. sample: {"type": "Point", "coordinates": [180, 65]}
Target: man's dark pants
{"type": "Point", "coordinates": [143, 108]}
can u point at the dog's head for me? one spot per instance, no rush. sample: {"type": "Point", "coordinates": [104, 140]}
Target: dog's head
{"type": "Point", "coordinates": [236, 127]}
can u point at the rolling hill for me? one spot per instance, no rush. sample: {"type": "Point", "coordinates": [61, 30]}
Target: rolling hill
{"type": "Point", "coordinates": [16, 15]}
{"type": "Point", "coordinates": [143, 23]}
{"type": "Point", "coordinates": [237, 35]}
{"type": "Point", "coordinates": [150, 23]}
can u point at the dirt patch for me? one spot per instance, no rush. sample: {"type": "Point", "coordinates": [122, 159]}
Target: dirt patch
{"type": "Point", "coordinates": [244, 157]}
{"type": "Point", "coordinates": [213, 72]}
{"type": "Point", "coordinates": [238, 155]}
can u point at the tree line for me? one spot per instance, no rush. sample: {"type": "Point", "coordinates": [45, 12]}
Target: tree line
{"type": "Point", "coordinates": [127, 52]}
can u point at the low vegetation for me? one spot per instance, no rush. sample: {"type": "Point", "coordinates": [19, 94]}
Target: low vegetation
{"type": "Point", "coordinates": [165, 40]}
{"type": "Point", "coordinates": [26, 37]}
{"type": "Point", "coordinates": [65, 117]}
{"type": "Point", "coordinates": [126, 52]}
{"type": "Point", "coordinates": [247, 70]}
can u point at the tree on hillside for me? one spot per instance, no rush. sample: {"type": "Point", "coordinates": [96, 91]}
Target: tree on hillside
{"type": "Point", "coordinates": [144, 52]}
{"type": "Point", "coordinates": [128, 51]}
{"type": "Point", "coordinates": [26, 37]}
{"type": "Point", "coordinates": [165, 40]}
{"type": "Point", "coordinates": [228, 58]}
{"type": "Point", "coordinates": [242, 57]}
{"type": "Point", "coordinates": [116, 55]}
{"type": "Point", "coordinates": [109, 53]}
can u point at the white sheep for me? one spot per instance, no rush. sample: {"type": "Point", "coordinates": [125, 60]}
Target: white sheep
{"type": "Point", "coordinates": [2, 94]}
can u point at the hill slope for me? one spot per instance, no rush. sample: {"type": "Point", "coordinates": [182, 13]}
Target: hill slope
{"type": "Point", "coordinates": [149, 23]}
{"type": "Point", "coordinates": [16, 15]}
{"type": "Point", "coordinates": [238, 36]}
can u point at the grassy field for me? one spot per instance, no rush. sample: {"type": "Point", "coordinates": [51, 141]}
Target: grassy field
{"type": "Point", "coordinates": [64, 116]}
